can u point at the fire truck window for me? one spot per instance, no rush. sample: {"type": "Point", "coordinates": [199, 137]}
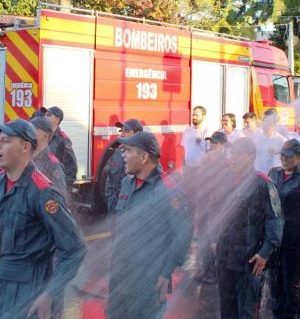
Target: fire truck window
{"type": "Point", "coordinates": [281, 89]}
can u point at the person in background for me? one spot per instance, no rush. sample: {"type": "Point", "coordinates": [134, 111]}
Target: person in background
{"type": "Point", "coordinates": [285, 274]}
{"type": "Point", "coordinates": [115, 166]}
{"type": "Point", "coordinates": [229, 127]}
{"type": "Point", "coordinates": [61, 145]}
{"type": "Point", "coordinates": [43, 159]}
{"type": "Point", "coordinates": [211, 173]}
{"type": "Point", "coordinates": [34, 223]}
{"type": "Point", "coordinates": [40, 113]}
{"type": "Point", "coordinates": [251, 224]}
{"type": "Point", "coordinates": [268, 144]}
{"type": "Point", "coordinates": [153, 233]}
{"type": "Point", "coordinates": [195, 146]}
{"type": "Point", "coordinates": [250, 129]}
{"type": "Point", "coordinates": [281, 129]}
{"type": "Point", "coordinates": [193, 138]}
{"type": "Point", "coordinates": [296, 134]}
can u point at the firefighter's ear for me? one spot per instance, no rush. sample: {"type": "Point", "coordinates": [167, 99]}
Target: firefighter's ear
{"type": "Point", "coordinates": [145, 157]}
{"type": "Point", "coordinates": [27, 147]}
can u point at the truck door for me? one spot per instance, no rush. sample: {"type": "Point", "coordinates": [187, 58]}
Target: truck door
{"type": "Point", "coordinates": [237, 92]}
{"type": "Point", "coordinates": [67, 83]}
{"type": "Point", "coordinates": [207, 90]}
{"type": "Point", "coordinates": [2, 83]}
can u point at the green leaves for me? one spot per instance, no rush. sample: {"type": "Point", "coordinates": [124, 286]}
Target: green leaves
{"type": "Point", "coordinates": [18, 7]}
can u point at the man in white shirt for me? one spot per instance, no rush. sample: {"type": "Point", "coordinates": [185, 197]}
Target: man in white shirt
{"type": "Point", "coordinates": [229, 127]}
{"type": "Point", "coordinates": [268, 144]}
{"type": "Point", "coordinates": [296, 134]}
{"type": "Point", "coordinates": [193, 138]}
{"type": "Point", "coordinates": [250, 129]}
{"type": "Point", "coordinates": [195, 146]}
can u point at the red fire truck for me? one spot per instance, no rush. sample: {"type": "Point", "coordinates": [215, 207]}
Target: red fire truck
{"type": "Point", "coordinates": [102, 68]}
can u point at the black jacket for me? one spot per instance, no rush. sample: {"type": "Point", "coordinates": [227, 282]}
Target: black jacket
{"type": "Point", "coordinates": [61, 146]}
{"type": "Point", "coordinates": [251, 222]}
{"type": "Point", "coordinates": [289, 193]}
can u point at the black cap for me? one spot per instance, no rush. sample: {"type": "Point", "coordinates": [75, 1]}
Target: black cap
{"type": "Point", "coordinates": [143, 140]}
{"type": "Point", "coordinates": [21, 128]}
{"type": "Point", "coordinates": [40, 113]}
{"type": "Point", "coordinates": [290, 148]}
{"type": "Point", "coordinates": [131, 124]}
{"type": "Point", "coordinates": [56, 111]}
{"type": "Point", "coordinates": [42, 123]}
{"type": "Point", "coordinates": [218, 138]}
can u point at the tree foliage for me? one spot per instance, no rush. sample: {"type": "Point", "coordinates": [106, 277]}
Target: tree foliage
{"type": "Point", "coordinates": [234, 17]}
{"type": "Point", "coordinates": [18, 7]}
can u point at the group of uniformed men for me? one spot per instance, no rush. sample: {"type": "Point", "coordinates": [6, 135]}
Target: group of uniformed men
{"type": "Point", "coordinates": [41, 245]}
{"type": "Point", "coordinates": [42, 248]}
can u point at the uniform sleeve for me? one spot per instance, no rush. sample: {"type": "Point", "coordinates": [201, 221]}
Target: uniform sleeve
{"type": "Point", "coordinates": [273, 220]}
{"type": "Point", "coordinates": [69, 162]}
{"type": "Point", "coordinates": [181, 231]}
{"type": "Point", "coordinates": [109, 192]}
{"type": "Point", "coordinates": [66, 238]}
{"type": "Point", "coordinates": [58, 178]}
{"type": "Point", "coordinates": [115, 173]}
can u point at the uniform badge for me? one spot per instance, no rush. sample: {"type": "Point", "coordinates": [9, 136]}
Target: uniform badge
{"type": "Point", "coordinates": [175, 203]}
{"type": "Point", "coordinates": [51, 206]}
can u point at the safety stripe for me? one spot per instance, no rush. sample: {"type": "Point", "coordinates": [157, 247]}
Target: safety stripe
{"type": "Point", "coordinates": [13, 113]}
{"type": "Point", "coordinates": [21, 71]}
{"type": "Point", "coordinates": [24, 50]}
{"type": "Point", "coordinates": [10, 114]}
{"type": "Point", "coordinates": [22, 63]}
{"type": "Point", "coordinates": [156, 129]}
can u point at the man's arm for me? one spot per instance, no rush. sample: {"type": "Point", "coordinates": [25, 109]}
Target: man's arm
{"type": "Point", "coordinates": [69, 161]}
{"type": "Point", "coordinates": [181, 230]}
{"type": "Point", "coordinates": [67, 239]}
{"type": "Point", "coordinates": [273, 227]}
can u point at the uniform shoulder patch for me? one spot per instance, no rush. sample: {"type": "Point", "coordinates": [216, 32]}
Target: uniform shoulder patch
{"type": "Point", "coordinates": [265, 177]}
{"type": "Point", "coordinates": [175, 202]}
{"type": "Point", "coordinates": [51, 206]}
{"type": "Point", "coordinates": [40, 180]}
{"type": "Point", "coordinates": [167, 180]}
{"type": "Point", "coordinates": [53, 158]}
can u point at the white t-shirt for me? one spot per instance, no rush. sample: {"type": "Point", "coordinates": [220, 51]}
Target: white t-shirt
{"type": "Point", "coordinates": [195, 146]}
{"type": "Point", "coordinates": [252, 134]}
{"type": "Point", "coordinates": [234, 135]}
{"type": "Point", "coordinates": [268, 152]}
{"type": "Point", "coordinates": [294, 135]}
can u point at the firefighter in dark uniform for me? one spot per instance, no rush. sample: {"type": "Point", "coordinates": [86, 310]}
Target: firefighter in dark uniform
{"type": "Point", "coordinates": [211, 172]}
{"type": "Point", "coordinates": [285, 274]}
{"type": "Point", "coordinates": [61, 145]}
{"type": "Point", "coordinates": [43, 159]}
{"type": "Point", "coordinates": [115, 167]}
{"type": "Point", "coordinates": [251, 229]}
{"type": "Point", "coordinates": [34, 222]}
{"type": "Point", "coordinates": [153, 232]}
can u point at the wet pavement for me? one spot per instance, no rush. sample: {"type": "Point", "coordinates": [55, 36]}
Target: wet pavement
{"type": "Point", "coordinates": [86, 297]}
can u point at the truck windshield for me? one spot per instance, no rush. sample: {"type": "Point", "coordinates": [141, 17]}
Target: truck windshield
{"type": "Point", "coordinates": [281, 89]}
